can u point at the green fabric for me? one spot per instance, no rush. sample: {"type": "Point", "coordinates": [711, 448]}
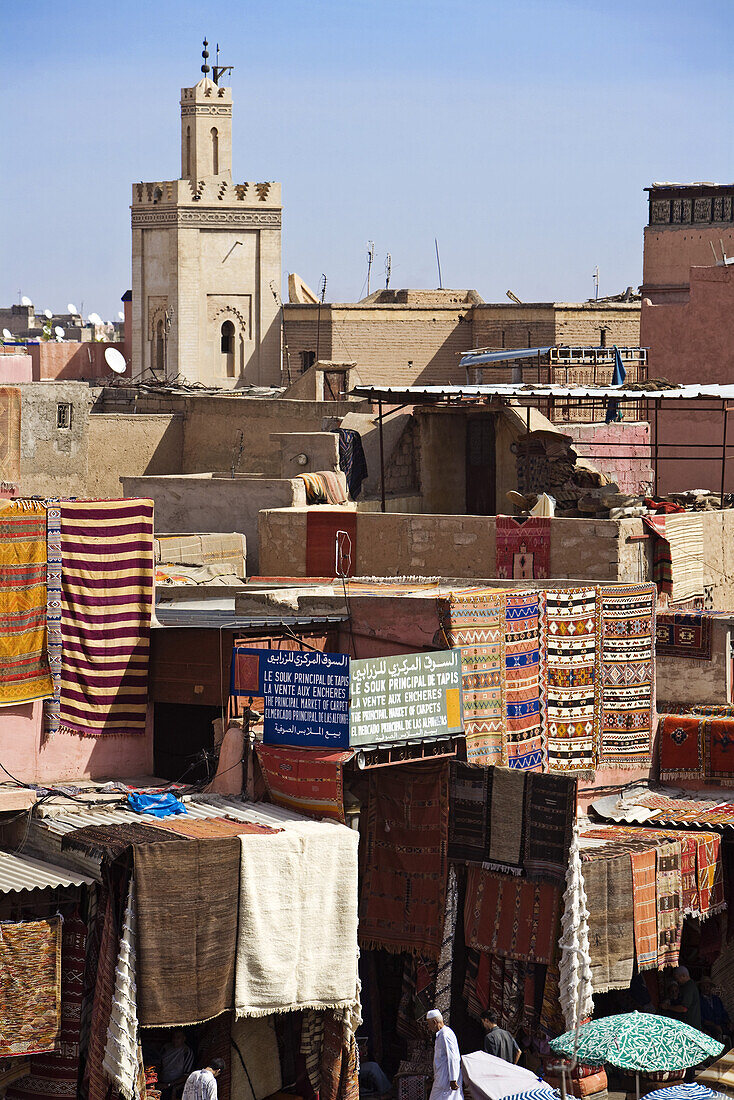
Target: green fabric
{"type": "Point", "coordinates": [639, 1041]}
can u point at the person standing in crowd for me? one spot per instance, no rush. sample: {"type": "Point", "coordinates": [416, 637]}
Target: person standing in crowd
{"type": "Point", "coordinates": [447, 1083]}
{"type": "Point", "coordinates": [497, 1041]}
{"type": "Point", "coordinates": [202, 1083]}
{"type": "Point", "coordinates": [176, 1061]}
{"type": "Point", "coordinates": [714, 1017]}
{"type": "Point", "coordinates": [688, 1007]}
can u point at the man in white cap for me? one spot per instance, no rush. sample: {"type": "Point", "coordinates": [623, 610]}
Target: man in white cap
{"type": "Point", "coordinates": [446, 1060]}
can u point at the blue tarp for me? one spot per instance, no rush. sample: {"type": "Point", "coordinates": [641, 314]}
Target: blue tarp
{"type": "Point", "coordinates": [158, 805]}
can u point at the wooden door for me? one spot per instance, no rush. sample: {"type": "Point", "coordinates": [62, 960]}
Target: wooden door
{"type": "Point", "coordinates": [480, 466]}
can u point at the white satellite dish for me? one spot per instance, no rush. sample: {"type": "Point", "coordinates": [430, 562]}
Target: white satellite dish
{"type": "Point", "coordinates": [26, 301]}
{"type": "Point", "coordinates": [94, 319]}
{"type": "Point", "coordinates": [59, 331]}
{"type": "Point", "coordinates": [7, 335]}
{"type": "Point", "coordinates": [72, 308]}
{"type": "Point", "coordinates": [115, 360]}
{"type": "Point", "coordinates": [121, 315]}
{"type": "Point", "coordinates": [48, 314]}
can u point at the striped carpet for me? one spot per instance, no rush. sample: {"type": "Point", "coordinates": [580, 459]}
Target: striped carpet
{"type": "Point", "coordinates": [106, 608]}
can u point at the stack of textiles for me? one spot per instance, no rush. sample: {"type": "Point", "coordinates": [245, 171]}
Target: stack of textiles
{"type": "Point", "coordinates": [324, 487]}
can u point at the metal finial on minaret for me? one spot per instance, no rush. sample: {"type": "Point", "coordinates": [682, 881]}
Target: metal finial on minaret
{"type": "Point", "coordinates": [219, 70]}
{"type": "Point", "coordinates": [205, 55]}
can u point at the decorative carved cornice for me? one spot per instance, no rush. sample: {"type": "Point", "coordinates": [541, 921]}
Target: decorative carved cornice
{"type": "Point", "coordinates": [204, 218]}
{"type": "Point", "coordinates": [206, 109]}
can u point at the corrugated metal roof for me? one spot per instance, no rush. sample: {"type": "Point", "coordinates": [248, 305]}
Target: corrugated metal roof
{"type": "Point", "coordinates": [475, 358]}
{"type": "Point", "coordinates": [47, 829]}
{"type": "Point", "coordinates": [641, 806]}
{"type": "Point", "coordinates": [199, 806]}
{"type": "Point", "coordinates": [182, 616]}
{"type": "Point", "coordinates": [23, 872]}
{"type": "Point", "coordinates": [413, 394]}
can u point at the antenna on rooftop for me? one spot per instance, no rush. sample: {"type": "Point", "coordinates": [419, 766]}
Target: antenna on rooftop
{"type": "Point", "coordinates": [218, 70]}
{"type": "Point", "coordinates": [237, 453]}
{"type": "Point", "coordinates": [322, 295]}
{"type": "Point", "coordinates": [388, 270]}
{"type": "Point", "coordinates": [725, 259]}
{"type": "Point", "coordinates": [48, 314]}
{"type": "Point", "coordinates": [370, 258]}
{"type": "Point", "coordinates": [72, 309]}
{"type": "Point", "coordinates": [25, 301]}
{"type": "Point", "coordinates": [279, 302]}
{"type": "Point", "coordinates": [595, 277]}
{"type": "Point", "coordinates": [438, 264]}
{"type": "Point", "coordinates": [7, 334]}
{"type": "Point", "coordinates": [115, 360]}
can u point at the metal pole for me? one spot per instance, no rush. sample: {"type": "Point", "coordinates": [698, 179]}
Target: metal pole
{"type": "Point", "coordinates": [382, 457]}
{"type": "Point", "coordinates": [655, 451]}
{"type": "Point", "coordinates": [723, 452]}
{"type": "Point", "coordinates": [318, 332]}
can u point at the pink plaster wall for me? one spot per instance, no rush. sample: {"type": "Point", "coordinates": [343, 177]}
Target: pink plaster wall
{"type": "Point", "coordinates": [670, 252]}
{"type": "Point", "coordinates": [689, 342]}
{"type": "Point", "coordinates": [621, 451]}
{"type": "Point", "coordinates": [693, 341]}
{"type": "Point", "coordinates": [15, 367]}
{"type": "Point", "coordinates": [52, 361]}
{"type": "Point", "coordinates": [65, 757]}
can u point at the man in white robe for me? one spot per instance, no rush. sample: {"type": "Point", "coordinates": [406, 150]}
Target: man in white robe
{"type": "Point", "coordinates": [447, 1083]}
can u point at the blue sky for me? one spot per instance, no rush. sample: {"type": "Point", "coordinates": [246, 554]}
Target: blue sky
{"type": "Point", "coordinates": [521, 134]}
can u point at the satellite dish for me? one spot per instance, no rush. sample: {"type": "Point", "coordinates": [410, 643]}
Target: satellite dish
{"type": "Point", "coordinates": [72, 308]}
{"type": "Point", "coordinates": [121, 315]}
{"type": "Point", "coordinates": [7, 335]}
{"type": "Point", "coordinates": [59, 331]}
{"type": "Point", "coordinates": [48, 314]}
{"type": "Point", "coordinates": [26, 301]}
{"type": "Point", "coordinates": [115, 360]}
{"type": "Point", "coordinates": [94, 319]}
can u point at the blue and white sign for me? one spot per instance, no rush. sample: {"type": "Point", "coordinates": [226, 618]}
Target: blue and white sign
{"type": "Point", "coordinates": [305, 695]}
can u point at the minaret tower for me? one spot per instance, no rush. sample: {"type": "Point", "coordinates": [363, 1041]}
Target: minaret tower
{"type": "Point", "coordinates": [206, 255]}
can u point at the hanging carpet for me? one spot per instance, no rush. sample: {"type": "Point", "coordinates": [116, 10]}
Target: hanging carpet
{"type": "Point", "coordinates": [406, 865]}
{"type": "Point", "coordinates": [570, 649]}
{"type": "Point", "coordinates": [511, 917]}
{"type": "Point", "coordinates": [55, 1074]}
{"type": "Point", "coordinates": [474, 621]}
{"type": "Point", "coordinates": [627, 674]}
{"type": "Point", "coordinates": [24, 668]}
{"type": "Point", "coordinates": [30, 986]}
{"type": "Point", "coordinates": [522, 690]}
{"type": "Point", "coordinates": [106, 609]}
{"type": "Point", "coordinates": [187, 929]}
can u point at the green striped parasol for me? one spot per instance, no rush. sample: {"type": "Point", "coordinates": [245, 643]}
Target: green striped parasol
{"type": "Point", "coordinates": [638, 1041]}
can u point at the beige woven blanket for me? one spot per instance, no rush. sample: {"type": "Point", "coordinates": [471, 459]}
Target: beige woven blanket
{"type": "Point", "coordinates": [297, 936]}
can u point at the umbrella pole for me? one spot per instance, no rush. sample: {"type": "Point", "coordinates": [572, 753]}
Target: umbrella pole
{"type": "Point", "coordinates": [564, 1095]}
{"type": "Point", "coordinates": [637, 1084]}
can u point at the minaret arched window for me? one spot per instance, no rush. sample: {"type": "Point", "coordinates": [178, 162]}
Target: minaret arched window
{"type": "Point", "coordinates": [227, 334]}
{"type": "Point", "coordinates": [188, 152]}
{"type": "Point", "coordinates": [159, 362]}
{"type": "Point", "coordinates": [215, 151]}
